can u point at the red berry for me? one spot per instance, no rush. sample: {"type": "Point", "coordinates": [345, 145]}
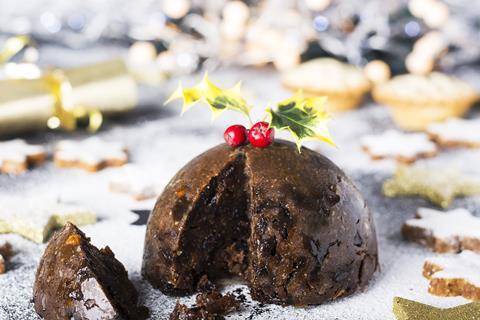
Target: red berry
{"type": "Point", "coordinates": [235, 135]}
{"type": "Point", "coordinates": [261, 135]}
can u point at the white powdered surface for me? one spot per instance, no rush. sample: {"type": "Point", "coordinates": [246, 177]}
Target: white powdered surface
{"type": "Point", "coordinates": [159, 139]}
{"type": "Point", "coordinates": [465, 265]}
{"type": "Point", "coordinates": [453, 224]}
{"type": "Point", "coordinates": [393, 143]}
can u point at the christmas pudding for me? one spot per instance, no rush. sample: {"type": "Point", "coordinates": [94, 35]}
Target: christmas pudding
{"type": "Point", "coordinates": [75, 280]}
{"type": "Point", "coordinates": [282, 217]}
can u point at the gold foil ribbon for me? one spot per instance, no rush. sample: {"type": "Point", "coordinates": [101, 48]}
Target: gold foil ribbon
{"type": "Point", "coordinates": [13, 46]}
{"type": "Point", "coordinates": [68, 115]}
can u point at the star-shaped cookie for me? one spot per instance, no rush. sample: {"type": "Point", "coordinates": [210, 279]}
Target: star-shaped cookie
{"type": "Point", "coordinates": [405, 309]}
{"type": "Point", "coordinates": [456, 133]}
{"type": "Point", "coordinates": [16, 156]}
{"type": "Point", "coordinates": [451, 231]}
{"type": "Point", "coordinates": [439, 186]}
{"type": "Point", "coordinates": [138, 183]}
{"type": "Point", "coordinates": [91, 154]}
{"type": "Point", "coordinates": [454, 275]}
{"type": "Point", "coordinates": [403, 147]}
{"type": "Point", "coordinates": [35, 219]}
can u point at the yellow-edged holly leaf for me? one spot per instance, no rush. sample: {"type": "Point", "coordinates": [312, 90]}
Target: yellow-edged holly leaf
{"type": "Point", "coordinates": [305, 118]}
{"type": "Point", "coordinates": [217, 99]}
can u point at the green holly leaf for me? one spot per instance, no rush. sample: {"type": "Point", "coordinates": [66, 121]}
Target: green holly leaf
{"type": "Point", "coordinates": [218, 100]}
{"type": "Point", "coordinates": [305, 118]}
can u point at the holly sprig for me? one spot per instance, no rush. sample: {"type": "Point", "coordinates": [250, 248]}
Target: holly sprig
{"type": "Point", "coordinates": [304, 117]}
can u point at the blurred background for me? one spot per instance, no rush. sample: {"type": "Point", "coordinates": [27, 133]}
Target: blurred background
{"type": "Point", "coordinates": [80, 68]}
{"type": "Point", "coordinates": [189, 34]}
{"type": "Point", "coordinates": [160, 40]}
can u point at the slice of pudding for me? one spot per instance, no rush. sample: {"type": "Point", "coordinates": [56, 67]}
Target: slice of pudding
{"type": "Point", "coordinates": [75, 280]}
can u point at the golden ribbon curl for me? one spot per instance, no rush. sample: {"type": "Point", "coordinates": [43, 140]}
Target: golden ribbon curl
{"type": "Point", "coordinates": [67, 115]}
{"type": "Point", "coordinates": [13, 45]}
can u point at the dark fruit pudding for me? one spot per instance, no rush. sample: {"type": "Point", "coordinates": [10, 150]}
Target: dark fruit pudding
{"type": "Point", "coordinates": [291, 224]}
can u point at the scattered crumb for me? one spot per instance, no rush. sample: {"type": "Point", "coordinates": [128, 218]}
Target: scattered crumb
{"type": "Point", "coordinates": [209, 306]}
{"type": "Point", "coordinates": [205, 285]}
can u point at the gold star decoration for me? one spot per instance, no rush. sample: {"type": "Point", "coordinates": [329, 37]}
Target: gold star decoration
{"type": "Point", "coordinates": [439, 186]}
{"type": "Point", "coordinates": [37, 219]}
{"type": "Point", "coordinates": [405, 309]}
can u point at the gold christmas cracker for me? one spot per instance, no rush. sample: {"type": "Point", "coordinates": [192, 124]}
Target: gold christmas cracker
{"type": "Point", "coordinates": [61, 97]}
{"type": "Point", "coordinates": [12, 46]}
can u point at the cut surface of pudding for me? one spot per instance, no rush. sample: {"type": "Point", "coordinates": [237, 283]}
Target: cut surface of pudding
{"type": "Point", "coordinates": [214, 242]}
{"type": "Point", "coordinates": [292, 225]}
